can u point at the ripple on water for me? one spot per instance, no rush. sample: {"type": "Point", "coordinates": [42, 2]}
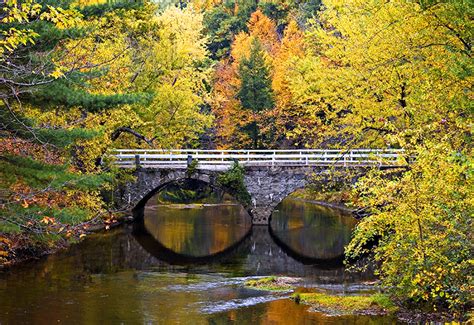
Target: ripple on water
{"type": "Point", "coordinates": [226, 305]}
{"type": "Point", "coordinates": [211, 283]}
{"type": "Point", "coordinates": [203, 286]}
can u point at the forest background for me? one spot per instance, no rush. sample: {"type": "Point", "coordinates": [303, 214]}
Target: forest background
{"type": "Point", "coordinates": [80, 77]}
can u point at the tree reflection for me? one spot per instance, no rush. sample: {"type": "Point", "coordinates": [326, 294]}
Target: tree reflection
{"type": "Point", "coordinates": [310, 232]}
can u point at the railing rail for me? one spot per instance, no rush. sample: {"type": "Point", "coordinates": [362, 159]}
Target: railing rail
{"type": "Point", "coordinates": [223, 159]}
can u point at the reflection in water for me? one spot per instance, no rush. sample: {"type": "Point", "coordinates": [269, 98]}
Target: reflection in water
{"type": "Point", "coordinates": [310, 231]}
{"type": "Point", "coordinates": [197, 230]}
{"type": "Point", "coordinates": [112, 278]}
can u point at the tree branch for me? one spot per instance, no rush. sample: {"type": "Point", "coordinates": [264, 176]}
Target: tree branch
{"type": "Point", "coordinates": [120, 130]}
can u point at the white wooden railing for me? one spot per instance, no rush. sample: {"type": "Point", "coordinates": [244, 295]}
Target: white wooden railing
{"type": "Point", "coordinates": [223, 159]}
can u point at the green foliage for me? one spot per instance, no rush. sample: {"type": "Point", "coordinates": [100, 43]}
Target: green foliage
{"type": "Point", "coordinates": [187, 191]}
{"type": "Point", "coordinates": [255, 93]}
{"type": "Point", "coordinates": [278, 12]}
{"type": "Point", "coordinates": [100, 9]}
{"type": "Point", "coordinates": [69, 95]}
{"type": "Point", "coordinates": [224, 22]}
{"type": "Point", "coordinates": [192, 167]}
{"type": "Point", "coordinates": [233, 181]}
{"type": "Point", "coordinates": [307, 10]}
{"type": "Point", "coordinates": [63, 138]}
{"type": "Point", "coordinates": [26, 128]}
{"type": "Point", "coordinates": [38, 174]}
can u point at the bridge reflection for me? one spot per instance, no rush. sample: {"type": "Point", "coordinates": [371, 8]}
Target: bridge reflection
{"type": "Point", "coordinates": [193, 233]}
{"type": "Point", "coordinates": [311, 233]}
{"type": "Point", "coordinates": [183, 234]}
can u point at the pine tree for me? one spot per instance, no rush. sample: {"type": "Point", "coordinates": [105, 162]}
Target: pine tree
{"type": "Point", "coordinates": [224, 22]}
{"type": "Point", "coordinates": [255, 93]}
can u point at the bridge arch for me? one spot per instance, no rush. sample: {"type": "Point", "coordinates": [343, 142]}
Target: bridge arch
{"type": "Point", "coordinates": [268, 187]}
{"type": "Point", "coordinates": [328, 228]}
{"type": "Point", "coordinates": [133, 195]}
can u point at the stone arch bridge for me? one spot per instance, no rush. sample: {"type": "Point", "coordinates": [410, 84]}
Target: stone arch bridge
{"type": "Point", "coordinates": [270, 175]}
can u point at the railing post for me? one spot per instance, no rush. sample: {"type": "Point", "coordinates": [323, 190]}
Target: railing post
{"type": "Point", "coordinates": [137, 161]}
{"type": "Point", "coordinates": [190, 160]}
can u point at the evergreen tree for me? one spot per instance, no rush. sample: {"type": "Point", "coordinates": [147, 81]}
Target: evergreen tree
{"type": "Point", "coordinates": [224, 22]}
{"type": "Point", "coordinates": [255, 93]}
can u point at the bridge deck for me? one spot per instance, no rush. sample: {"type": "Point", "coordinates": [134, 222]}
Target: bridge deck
{"type": "Point", "coordinates": [223, 159]}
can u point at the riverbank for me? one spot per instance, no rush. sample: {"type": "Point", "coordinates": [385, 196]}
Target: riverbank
{"type": "Point", "coordinates": [331, 304]}
{"type": "Point", "coordinates": [16, 248]}
{"type": "Point", "coordinates": [374, 304]}
{"type": "Point", "coordinates": [336, 199]}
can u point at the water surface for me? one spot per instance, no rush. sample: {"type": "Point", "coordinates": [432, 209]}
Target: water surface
{"type": "Point", "coordinates": [186, 264]}
{"type": "Point", "coordinates": [312, 231]}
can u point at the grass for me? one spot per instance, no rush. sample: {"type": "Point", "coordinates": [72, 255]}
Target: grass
{"type": "Point", "coordinates": [271, 283]}
{"type": "Point", "coordinates": [332, 304]}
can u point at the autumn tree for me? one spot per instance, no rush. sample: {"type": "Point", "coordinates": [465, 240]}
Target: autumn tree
{"type": "Point", "coordinates": [399, 74]}
{"type": "Point", "coordinates": [288, 114]}
{"type": "Point", "coordinates": [162, 56]}
{"type": "Point", "coordinates": [173, 65]}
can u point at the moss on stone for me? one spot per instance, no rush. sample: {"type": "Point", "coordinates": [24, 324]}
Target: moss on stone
{"type": "Point", "coordinates": [272, 283]}
{"type": "Point", "coordinates": [334, 304]}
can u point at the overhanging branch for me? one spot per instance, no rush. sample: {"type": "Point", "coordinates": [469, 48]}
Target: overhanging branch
{"type": "Point", "coordinates": [120, 130]}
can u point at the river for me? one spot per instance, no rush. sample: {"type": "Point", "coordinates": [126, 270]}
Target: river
{"type": "Point", "coordinates": [186, 264]}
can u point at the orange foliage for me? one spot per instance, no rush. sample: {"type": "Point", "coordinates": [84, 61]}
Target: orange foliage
{"type": "Point", "coordinates": [292, 47]}
{"type": "Point", "coordinates": [263, 28]}
{"type": "Point", "coordinates": [226, 106]}
{"type": "Point", "coordinates": [25, 195]}
{"type": "Point", "coordinates": [260, 27]}
{"type": "Point", "coordinates": [279, 55]}
{"type": "Point", "coordinates": [25, 148]}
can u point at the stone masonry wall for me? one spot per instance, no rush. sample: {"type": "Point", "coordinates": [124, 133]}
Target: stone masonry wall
{"type": "Point", "coordinates": [267, 186]}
